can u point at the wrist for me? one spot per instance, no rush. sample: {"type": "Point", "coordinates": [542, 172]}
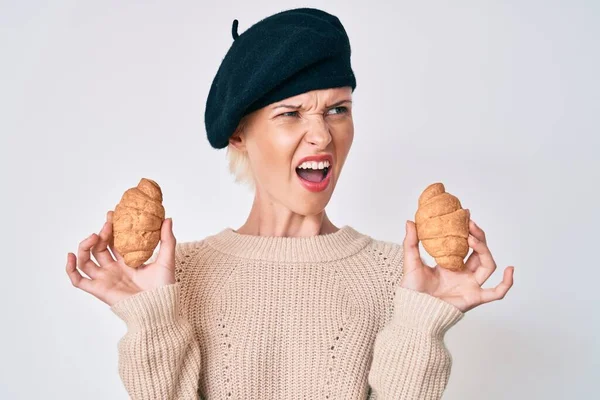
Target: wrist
{"type": "Point", "coordinates": [424, 312]}
{"type": "Point", "coordinates": [149, 308]}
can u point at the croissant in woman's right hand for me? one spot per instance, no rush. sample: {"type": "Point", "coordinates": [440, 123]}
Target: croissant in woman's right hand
{"type": "Point", "coordinates": [113, 280]}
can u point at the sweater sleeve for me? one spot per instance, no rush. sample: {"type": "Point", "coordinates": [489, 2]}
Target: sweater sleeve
{"type": "Point", "coordinates": [159, 357]}
{"type": "Point", "coordinates": [410, 360]}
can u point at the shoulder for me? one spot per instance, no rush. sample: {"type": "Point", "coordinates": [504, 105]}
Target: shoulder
{"type": "Point", "coordinates": [191, 251]}
{"type": "Point", "coordinates": [188, 255]}
{"type": "Point", "coordinates": [186, 249]}
{"type": "Point", "coordinates": [387, 253]}
{"type": "Point", "coordinates": [387, 259]}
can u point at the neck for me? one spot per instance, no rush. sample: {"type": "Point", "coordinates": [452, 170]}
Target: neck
{"type": "Point", "coordinates": [268, 218]}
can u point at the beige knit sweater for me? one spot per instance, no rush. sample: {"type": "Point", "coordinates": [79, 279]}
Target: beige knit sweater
{"type": "Point", "coordinates": [257, 317]}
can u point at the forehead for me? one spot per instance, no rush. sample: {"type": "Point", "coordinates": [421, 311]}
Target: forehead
{"type": "Point", "coordinates": [319, 95]}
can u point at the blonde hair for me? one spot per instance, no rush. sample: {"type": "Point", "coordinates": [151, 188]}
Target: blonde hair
{"type": "Point", "coordinates": [239, 163]}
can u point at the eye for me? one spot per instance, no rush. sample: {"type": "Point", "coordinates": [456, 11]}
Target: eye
{"type": "Point", "coordinates": [289, 112]}
{"type": "Point", "coordinates": [344, 109]}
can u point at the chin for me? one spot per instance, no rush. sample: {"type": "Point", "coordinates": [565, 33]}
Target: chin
{"type": "Point", "coordinates": [310, 203]}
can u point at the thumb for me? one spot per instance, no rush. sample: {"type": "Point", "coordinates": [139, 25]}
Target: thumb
{"type": "Point", "coordinates": [412, 257]}
{"type": "Point", "coordinates": [166, 253]}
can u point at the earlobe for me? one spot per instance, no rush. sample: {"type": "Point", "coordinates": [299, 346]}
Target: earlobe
{"type": "Point", "coordinates": [236, 141]}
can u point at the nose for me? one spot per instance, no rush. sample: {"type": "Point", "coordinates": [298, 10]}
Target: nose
{"type": "Point", "coordinates": [318, 133]}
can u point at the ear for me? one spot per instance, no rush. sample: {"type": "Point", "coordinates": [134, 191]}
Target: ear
{"type": "Point", "coordinates": [238, 140]}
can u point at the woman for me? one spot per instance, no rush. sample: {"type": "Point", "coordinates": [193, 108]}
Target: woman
{"type": "Point", "coordinates": [288, 306]}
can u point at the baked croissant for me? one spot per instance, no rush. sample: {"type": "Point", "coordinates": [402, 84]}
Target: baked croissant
{"type": "Point", "coordinates": [443, 227]}
{"type": "Point", "coordinates": [137, 221]}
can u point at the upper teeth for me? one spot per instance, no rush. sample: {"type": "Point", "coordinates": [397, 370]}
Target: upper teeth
{"type": "Point", "coordinates": [314, 164]}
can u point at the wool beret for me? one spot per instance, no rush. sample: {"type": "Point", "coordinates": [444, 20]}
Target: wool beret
{"type": "Point", "coordinates": [283, 55]}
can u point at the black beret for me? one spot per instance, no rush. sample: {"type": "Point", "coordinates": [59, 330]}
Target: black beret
{"type": "Point", "coordinates": [283, 55]}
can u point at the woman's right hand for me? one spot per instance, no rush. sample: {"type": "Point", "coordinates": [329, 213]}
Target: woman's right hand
{"type": "Point", "coordinates": [113, 280]}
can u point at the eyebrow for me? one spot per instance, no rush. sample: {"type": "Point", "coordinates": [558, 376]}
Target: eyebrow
{"type": "Point", "coordinates": [299, 106]}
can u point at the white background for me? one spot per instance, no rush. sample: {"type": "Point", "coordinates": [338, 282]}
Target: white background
{"type": "Point", "coordinates": [497, 99]}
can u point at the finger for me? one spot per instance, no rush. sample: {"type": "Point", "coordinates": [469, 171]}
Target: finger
{"type": "Point", "coordinates": [166, 252]}
{"type": "Point", "coordinates": [76, 278]}
{"type": "Point", "coordinates": [100, 249]}
{"type": "Point", "coordinates": [111, 238]}
{"type": "Point", "coordinates": [84, 262]}
{"type": "Point", "coordinates": [473, 262]}
{"type": "Point", "coordinates": [412, 258]}
{"type": "Point", "coordinates": [476, 231]}
{"type": "Point", "coordinates": [499, 291]}
{"type": "Point", "coordinates": [487, 265]}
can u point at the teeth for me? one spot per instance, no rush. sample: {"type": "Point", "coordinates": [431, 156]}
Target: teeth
{"type": "Point", "coordinates": [314, 165]}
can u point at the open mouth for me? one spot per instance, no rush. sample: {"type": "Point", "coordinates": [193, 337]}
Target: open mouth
{"type": "Point", "coordinates": [313, 175]}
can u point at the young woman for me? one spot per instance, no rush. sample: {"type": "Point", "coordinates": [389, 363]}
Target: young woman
{"type": "Point", "coordinates": [289, 305]}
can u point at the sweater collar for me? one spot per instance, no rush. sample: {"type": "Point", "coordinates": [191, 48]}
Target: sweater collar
{"type": "Point", "coordinates": [342, 243]}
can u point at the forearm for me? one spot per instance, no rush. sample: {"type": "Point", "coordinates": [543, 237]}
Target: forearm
{"type": "Point", "coordinates": [410, 360]}
{"type": "Point", "coordinates": [159, 357]}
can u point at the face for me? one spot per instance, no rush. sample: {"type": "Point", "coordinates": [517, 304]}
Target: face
{"type": "Point", "coordinates": [277, 137]}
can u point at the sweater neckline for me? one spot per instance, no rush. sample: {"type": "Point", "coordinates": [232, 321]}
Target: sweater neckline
{"type": "Point", "coordinates": [342, 243]}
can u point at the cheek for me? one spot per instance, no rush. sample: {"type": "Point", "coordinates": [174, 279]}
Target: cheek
{"type": "Point", "coordinates": [343, 142]}
{"type": "Point", "coordinates": [274, 157]}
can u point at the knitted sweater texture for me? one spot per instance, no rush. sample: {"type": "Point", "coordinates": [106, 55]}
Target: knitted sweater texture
{"type": "Point", "coordinates": [266, 317]}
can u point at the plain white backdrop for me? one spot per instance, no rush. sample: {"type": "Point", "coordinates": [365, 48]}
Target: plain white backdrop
{"type": "Point", "coordinates": [499, 100]}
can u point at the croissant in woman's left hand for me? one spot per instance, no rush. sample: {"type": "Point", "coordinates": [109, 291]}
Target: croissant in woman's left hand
{"type": "Point", "coordinates": [459, 288]}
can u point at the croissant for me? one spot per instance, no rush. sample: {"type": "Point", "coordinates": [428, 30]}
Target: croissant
{"type": "Point", "coordinates": [137, 221]}
{"type": "Point", "coordinates": [443, 227]}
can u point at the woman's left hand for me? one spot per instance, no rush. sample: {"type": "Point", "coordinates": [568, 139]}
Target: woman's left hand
{"type": "Point", "coordinates": [459, 288]}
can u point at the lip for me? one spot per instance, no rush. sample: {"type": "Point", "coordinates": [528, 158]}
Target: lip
{"type": "Point", "coordinates": [322, 157]}
{"type": "Point", "coordinates": [317, 186]}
